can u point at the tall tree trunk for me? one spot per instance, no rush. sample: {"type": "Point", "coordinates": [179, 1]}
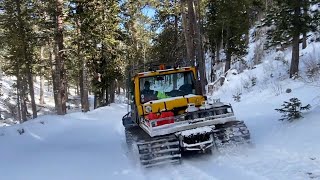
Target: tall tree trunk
{"type": "Point", "coordinates": [77, 87]}
{"type": "Point", "coordinates": [111, 91]}
{"type": "Point", "coordinates": [304, 40]}
{"type": "Point", "coordinates": [105, 96]}
{"type": "Point", "coordinates": [18, 95]}
{"type": "Point", "coordinates": [294, 67]}
{"type": "Point", "coordinates": [60, 61]}
{"type": "Point", "coordinates": [27, 61]}
{"type": "Point", "coordinates": [191, 18]}
{"type": "Point", "coordinates": [31, 91]}
{"type": "Point", "coordinates": [95, 101]}
{"type": "Point", "coordinates": [187, 33]}
{"type": "Point", "coordinates": [213, 62]}
{"type": "Point", "coordinates": [83, 73]}
{"type": "Point", "coordinates": [218, 53]}
{"type": "Point", "coordinates": [54, 76]}
{"type": "Point", "coordinates": [23, 99]}
{"type": "Point", "coordinates": [199, 49]}
{"type": "Point", "coordinates": [85, 97]}
{"type": "Point", "coordinates": [228, 55]}
{"type": "Point", "coordinates": [41, 99]}
{"type": "Point", "coordinates": [81, 86]}
{"type": "Point", "coordinates": [305, 14]}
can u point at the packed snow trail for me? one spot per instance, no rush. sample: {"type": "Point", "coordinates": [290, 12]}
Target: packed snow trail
{"type": "Point", "coordinates": [75, 146]}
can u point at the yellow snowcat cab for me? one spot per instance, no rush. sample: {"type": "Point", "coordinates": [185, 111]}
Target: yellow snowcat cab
{"type": "Point", "coordinates": [168, 116]}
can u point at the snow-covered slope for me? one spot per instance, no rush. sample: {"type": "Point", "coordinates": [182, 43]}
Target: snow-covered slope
{"type": "Point", "coordinates": [92, 146]}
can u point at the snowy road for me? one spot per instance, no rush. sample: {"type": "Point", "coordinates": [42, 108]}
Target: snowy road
{"type": "Point", "coordinates": [92, 146]}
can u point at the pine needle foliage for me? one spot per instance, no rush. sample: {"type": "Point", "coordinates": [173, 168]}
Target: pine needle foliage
{"type": "Point", "coordinates": [292, 110]}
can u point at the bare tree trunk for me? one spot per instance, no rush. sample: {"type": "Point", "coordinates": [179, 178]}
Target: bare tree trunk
{"type": "Point", "coordinates": [60, 61]}
{"type": "Point", "coordinates": [305, 13]}
{"type": "Point", "coordinates": [24, 109]}
{"type": "Point", "coordinates": [217, 53]}
{"type": "Point", "coordinates": [213, 62]}
{"type": "Point", "coordinates": [111, 91]}
{"type": "Point", "coordinates": [106, 94]}
{"type": "Point", "coordinates": [81, 85]}
{"type": "Point", "coordinates": [228, 55]}
{"type": "Point", "coordinates": [199, 49]}
{"type": "Point", "coordinates": [191, 19]}
{"type": "Point", "coordinates": [304, 41]}
{"type": "Point", "coordinates": [31, 91]}
{"type": "Point", "coordinates": [77, 88]}
{"type": "Point", "coordinates": [41, 99]}
{"type": "Point", "coordinates": [85, 105]}
{"type": "Point", "coordinates": [28, 62]}
{"type": "Point", "coordinates": [95, 101]}
{"type": "Point", "coordinates": [187, 34]}
{"type": "Point", "coordinates": [83, 75]}
{"type": "Point", "coordinates": [18, 96]}
{"type": "Point", "coordinates": [294, 67]}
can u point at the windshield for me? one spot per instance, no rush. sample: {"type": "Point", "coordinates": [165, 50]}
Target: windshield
{"type": "Point", "coordinates": [166, 86]}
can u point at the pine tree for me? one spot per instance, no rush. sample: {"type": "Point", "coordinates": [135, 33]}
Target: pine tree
{"type": "Point", "coordinates": [227, 30]}
{"type": "Point", "coordinates": [288, 20]}
{"type": "Point", "coordinates": [18, 19]}
{"type": "Point", "coordinates": [169, 44]}
{"type": "Point", "coordinates": [292, 110]}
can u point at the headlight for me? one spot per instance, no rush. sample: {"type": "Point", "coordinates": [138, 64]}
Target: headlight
{"type": "Point", "coordinates": [148, 109]}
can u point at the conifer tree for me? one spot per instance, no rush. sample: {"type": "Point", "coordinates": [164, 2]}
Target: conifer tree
{"type": "Point", "coordinates": [288, 20]}
{"type": "Point", "coordinates": [292, 110]}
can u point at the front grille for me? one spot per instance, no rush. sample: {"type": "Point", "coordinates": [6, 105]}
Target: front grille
{"type": "Point", "coordinates": [196, 138]}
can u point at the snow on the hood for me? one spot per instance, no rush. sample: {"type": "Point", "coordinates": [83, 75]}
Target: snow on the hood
{"type": "Point", "coordinates": [199, 130]}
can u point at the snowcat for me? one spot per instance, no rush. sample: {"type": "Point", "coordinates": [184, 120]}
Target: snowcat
{"type": "Point", "coordinates": [169, 116]}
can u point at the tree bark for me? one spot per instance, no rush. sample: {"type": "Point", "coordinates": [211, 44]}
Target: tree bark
{"type": "Point", "coordinates": [304, 41]}
{"type": "Point", "coordinates": [41, 99]}
{"type": "Point", "coordinates": [31, 91]}
{"type": "Point", "coordinates": [294, 67]}
{"type": "Point", "coordinates": [187, 34]}
{"type": "Point", "coordinates": [28, 62]}
{"type": "Point", "coordinates": [60, 61]}
{"type": "Point", "coordinates": [304, 38]}
{"type": "Point", "coordinates": [213, 62]}
{"type": "Point", "coordinates": [199, 49]}
{"type": "Point", "coordinates": [111, 91]}
{"type": "Point", "coordinates": [217, 53]}
{"type": "Point", "coordinates": [228, 54]}
{"type": "Point", "coordinates": [23, 99]}
{"type": "Point", "coordinates": [85, 97]}
{"type": "Point", "coordinates": [18, 96]}
{"type": "Point", "coordinates": [83, 73]}
{"type": "Point", "coordinates": [191, 19]}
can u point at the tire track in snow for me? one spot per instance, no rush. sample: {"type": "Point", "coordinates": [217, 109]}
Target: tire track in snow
{"type": "Point", "coordinates": [187, 171]}
{"type": "Point", "coordinates": [224, 169]}
{"type": "Point", "coordinates": [262, 163]}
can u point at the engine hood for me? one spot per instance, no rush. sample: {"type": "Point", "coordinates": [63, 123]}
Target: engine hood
{"type": "Point", "coordinates": [172, 103]}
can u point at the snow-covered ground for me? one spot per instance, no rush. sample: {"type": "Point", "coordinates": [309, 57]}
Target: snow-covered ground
{"type": "Point", "coordinates": [92, 146]}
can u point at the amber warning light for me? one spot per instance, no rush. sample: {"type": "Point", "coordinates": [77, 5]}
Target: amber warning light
{"type": "Point", "coordinates": [162, 67]}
